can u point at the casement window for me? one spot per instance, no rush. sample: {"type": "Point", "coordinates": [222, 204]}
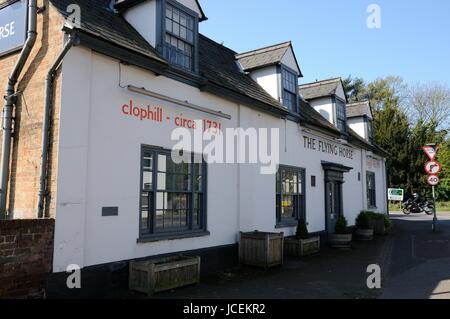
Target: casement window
{"type": "Point", "coordinates": [371, 190]}
{"type": "Point", "coordinates": [370, 132]}
{"type": "Point", "coordinates": [290, 195]}
{"type": "Point", "coordinates": [180, 37]}
{"type": "Point", "coordinates": [172, 195]}
{"type": "Point", "coordinates": [290, 87]}
{"type": "Point", "coordinates": [341, 117]}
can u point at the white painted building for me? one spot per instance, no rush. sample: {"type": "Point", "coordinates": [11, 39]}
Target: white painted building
{"type": "Point", "coordinates": [120, 197]}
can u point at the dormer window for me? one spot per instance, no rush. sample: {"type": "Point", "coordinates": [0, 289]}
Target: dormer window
{"type": "Point", "coordinates": [370, 131]}
{"type": "Point", "coordinates": [290, 95]}
{"type": "Point", "coordinates": [341, 117]}
{"type": "Point", "coordinates": [180, 36]}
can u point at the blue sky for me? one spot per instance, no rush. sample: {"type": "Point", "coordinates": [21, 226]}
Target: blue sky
{"type": "Point", "coordinates": [331, 37]}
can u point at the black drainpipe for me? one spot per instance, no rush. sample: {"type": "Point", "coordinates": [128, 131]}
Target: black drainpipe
{"type": "Point", "coordinates": [49, 81]}
{"type": "Point", "coordinates": [10, 100]}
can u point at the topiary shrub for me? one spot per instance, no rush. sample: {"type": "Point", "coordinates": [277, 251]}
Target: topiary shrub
{"type": "Point", "coordinates": [363, 221]}
{"type": "Point", "coordinates": [388, 224]}
{"type": "Point", "coordinates": [302, 230]}
{"type": "Point", "coordinates": [341, 227]}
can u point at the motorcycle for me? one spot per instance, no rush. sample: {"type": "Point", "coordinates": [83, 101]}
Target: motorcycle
{"type": "Point", "coordinates": [416, 206]}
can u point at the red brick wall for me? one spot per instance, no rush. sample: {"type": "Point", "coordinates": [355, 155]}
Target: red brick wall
{"type": "Point", "coordinates": [26, 253]}
{"type": "Point", "coordinates": [26, 144]}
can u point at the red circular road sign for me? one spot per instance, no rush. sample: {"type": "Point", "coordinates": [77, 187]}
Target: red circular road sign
{"type": "Point", "coordinates": [433, 168]}
{"type": "Point", "coordinates": [433, 180]}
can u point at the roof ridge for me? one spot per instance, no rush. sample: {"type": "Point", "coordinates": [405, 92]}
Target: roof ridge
{"type": "Point", "coordinates": [358, 103]}
{"type": "Point", "coordinates": [320, 82]}
{"type": "Point", "coordinates": [263, 49]}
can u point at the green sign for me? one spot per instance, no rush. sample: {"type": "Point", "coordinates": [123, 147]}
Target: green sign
{"type": "Point", "coordinates": [396, 194]}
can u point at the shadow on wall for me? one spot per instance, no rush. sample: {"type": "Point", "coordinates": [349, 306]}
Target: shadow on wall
{"type": "Point", "coordinates": [325, 114]}
{"type": "Point", "coordinates": [31, 107]}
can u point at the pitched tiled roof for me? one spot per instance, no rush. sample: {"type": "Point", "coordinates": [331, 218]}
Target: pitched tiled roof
{"type": "Point", "coordinates": [319, 89]}
{"type": "Point", "coordinates": [311, 116]}
{"type": "Point", "coordinates": [123, 4]}
{"type": "Point", "coordinates": [99, 20]}
{"type": "Point", "coordinates": [263, 57]}
{"type": "Point", "coordinates": [359, 109]}
{"type": "Point", "coordinates": [217, 65]}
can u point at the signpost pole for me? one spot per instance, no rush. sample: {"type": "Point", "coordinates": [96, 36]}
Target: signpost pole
{"type": "Point", "coordinates": [434, 211]}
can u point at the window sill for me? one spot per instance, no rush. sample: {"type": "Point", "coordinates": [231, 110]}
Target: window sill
{"type": "Point", "coordinates": [157, 238]}
{"type": "Point", "coordinates": [286, 225]}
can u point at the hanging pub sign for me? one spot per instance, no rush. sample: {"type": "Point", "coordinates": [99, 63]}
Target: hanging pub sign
{"type": "Point", "coordinates": [13, 25]}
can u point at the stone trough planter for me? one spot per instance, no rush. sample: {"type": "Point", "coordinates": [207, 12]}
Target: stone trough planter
{"type": "Point", "coordinates": [301, 247]}
{"type": "Point", "coordinates": [163, 274]}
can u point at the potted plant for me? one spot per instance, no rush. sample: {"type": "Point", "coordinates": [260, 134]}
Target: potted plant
{"type": "Point", "coordinates": [364, 227]}
{"type": "Point", "coordinates": [379, 223]}
{"type": "Point", "coordinates": [302, 244]}
{"type": "Point", "coordinates": [342, 238]}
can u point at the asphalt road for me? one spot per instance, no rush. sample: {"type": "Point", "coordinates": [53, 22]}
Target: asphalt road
{"type": "Point", "coordinates": [419, 262]}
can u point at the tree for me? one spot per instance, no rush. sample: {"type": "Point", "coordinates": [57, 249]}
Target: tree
{"type": "Point", "coordinates": [443, 157]}
{"type": "Point", "coordinates": [422, 134]}
{"type": "Point", "coordinates": [392, 133]}
{"type": "Point", "coordinates": [355, 89]}
{"type": "Point", "coordinates": [430, 103]}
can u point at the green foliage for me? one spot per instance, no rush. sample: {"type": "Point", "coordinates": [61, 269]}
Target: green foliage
{"type": "Point", "coordinates": [363, 221]}
{"type": "Point", "coordinates": [387, 224]}
{"type": "Point", "coordinates": [400, 137]}
{"type": "Point", "coordinates": [341, 227]}
{"type": "Point", "coordinates": [443, 190]}
{"type": "Point", "coordinates": [355, 89]}
{"type": "Point", "coordinates": [302, 230]}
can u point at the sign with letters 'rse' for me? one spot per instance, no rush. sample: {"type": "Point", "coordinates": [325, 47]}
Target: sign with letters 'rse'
{"type": "Point", "coordinates": [13, 26]}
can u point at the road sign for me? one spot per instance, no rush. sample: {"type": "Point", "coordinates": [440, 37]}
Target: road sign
{"type": "Point", "coordinates": [433, 180]}
{"type": "Point", "coordinates": [13, 26]}
{"type": "Point", "coordinates": [433, 168]}
{"type": "Point", "coordinates": [431, 152]}
{"type": "Point", "coordinates": [396, 194]}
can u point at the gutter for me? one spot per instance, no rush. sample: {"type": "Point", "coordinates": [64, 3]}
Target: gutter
{"type": "Point", "coordinates": [49, 81]}
{"type": "Point", "coordinates": [10, 100]}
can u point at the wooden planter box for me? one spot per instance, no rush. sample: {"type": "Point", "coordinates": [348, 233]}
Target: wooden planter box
{"type": "Point", "coordinates": [340, 240]}
{"type": "Point", "coordinates": [261, 249]}
{"type": "Point", "coordinates": [301, 247]}
{"type": "Point", "coordinates": [364, 234]}
{"type": "Point", "coordinates": [163, 274]}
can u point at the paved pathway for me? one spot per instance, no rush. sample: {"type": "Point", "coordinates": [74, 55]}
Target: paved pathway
{"type": "Point", "coordinates": [415, 263]}
{"type": "Point", "coordinates": [420, 261]}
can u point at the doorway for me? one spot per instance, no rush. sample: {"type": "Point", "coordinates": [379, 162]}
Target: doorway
{"type": "Point", "coordinates": [334, 180]}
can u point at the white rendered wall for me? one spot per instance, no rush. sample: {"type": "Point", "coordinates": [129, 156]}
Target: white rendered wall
{"type": "Point", "coordinates": [359, 126]}
{"type": "Point", "coordinates": [143, 18]}
{"type": "Point", "coordinates": [99, 166]}
{"type": "Point", "coordinates": [289, 61]}
{"type": "Point", "coordinates": [325, 107]}
{"type": "Point", "coordinates": [267, 78]}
